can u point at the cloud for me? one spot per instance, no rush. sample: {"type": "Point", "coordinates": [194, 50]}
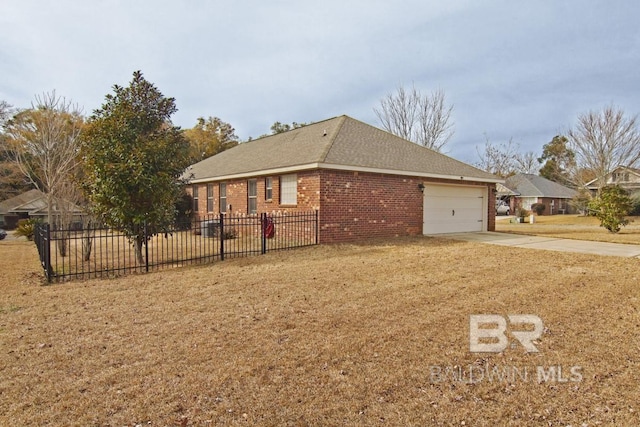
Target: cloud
{"type": "Point", "coordinates": [511, 69]}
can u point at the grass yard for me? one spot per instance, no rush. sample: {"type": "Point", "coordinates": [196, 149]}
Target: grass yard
{"type": "Point", "coordinates": [374, 334]}
{"type": "Point", "coordinates": [573, 227]}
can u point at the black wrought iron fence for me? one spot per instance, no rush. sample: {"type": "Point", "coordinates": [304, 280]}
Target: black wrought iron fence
{"type": "Point", "coordinates": [90, 250]}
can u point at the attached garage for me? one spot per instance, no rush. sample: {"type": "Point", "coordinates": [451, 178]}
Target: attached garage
{"type": "Point", "coordinates": [362, 181]}
{"type": "Point", "coordinates": [454, 209]}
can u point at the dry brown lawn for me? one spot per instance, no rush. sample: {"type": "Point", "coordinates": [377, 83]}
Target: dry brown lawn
{"type": "Point", "coordinates": [326, 335]}
{"type": "Point", "coordinates": [573, 227]}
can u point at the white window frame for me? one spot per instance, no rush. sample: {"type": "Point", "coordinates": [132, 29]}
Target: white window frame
{"type": "Point", "coordinates": [268, 188]}
{"type": "Point", "coordinates": [252, 196]}
{"type": "Point", "coordinates": [210, 205]}
{"type": "Point", "coordinates": [289, 189]}
{"type": "Point", "coordinates": [222, 190]}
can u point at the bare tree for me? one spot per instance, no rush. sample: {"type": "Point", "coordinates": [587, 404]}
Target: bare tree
{"type": "Point", "coordinates": [604, 140]}
{"type": "Point", "coordinates": [44, 143]}
{"type": "Point", "coordinates": [422, 118]}
{"type": "Point", "coordinates": [498, 159]}
{"type": "Point", "coordinates": [5, 112]}
{"type": "Point", "coordinates": [526, 163]}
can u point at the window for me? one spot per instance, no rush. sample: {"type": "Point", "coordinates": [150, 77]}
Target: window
{"type": "Point", "coordinates": [209, 197]}
{"type": "Point", "coordinates": [268, 188]}
{"type": "Point", "coordinates": [289, 189]}
{"type": "Point", "coordinates": [194, 191]}
{"type": "Point", "coordinates": [252, 193]}
{"type": "Point", "coordinates": [621, 176]}
{"type": "Point", "coordinates": [223, 197]}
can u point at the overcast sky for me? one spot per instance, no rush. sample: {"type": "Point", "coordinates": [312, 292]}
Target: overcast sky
{"type": "Point", "coordinates": [511, 69]}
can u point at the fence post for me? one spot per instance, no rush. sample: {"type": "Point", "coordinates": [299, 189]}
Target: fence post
{"type": "Point", "coordinates": [221, 236]}
{"type": "Point", "coordinates": [317, 226]}
{"type": "Point", "coordinates": [146, 248]}
{"type": "Point", "coordinates": [263, 234]}
{"type": "Point", "coordinates": [46, 246]}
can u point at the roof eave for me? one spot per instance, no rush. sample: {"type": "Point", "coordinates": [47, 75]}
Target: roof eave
{"type": "Point", "coordinates": [311, 166]}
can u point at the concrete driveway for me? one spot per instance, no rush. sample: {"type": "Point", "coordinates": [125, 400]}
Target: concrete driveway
{"type": "Point", "coordinates": [548, 243]}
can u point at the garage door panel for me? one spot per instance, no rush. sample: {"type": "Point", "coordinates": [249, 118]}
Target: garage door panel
{"type": "Point", "coordinates": [446, 191]}
{"type": "Point", "coordinates": [450, 209]}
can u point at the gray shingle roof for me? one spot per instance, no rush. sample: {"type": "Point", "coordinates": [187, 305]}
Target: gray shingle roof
{"type": "Point", "coordinates": [20, 199]}
{"type": "Point", "coordinates": [529, 185]}
{"type": "Point", "coordinates": [340, 142]}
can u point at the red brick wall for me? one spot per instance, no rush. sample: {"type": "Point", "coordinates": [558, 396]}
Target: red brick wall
{"type": "Point", "coordinates": [363, 205]}
{"type": "Point", "coordinates": [352, 205]}
{"type": "Point", "coordinates": [359, 205]}
{"type": "Point", "coordinates": [491, 208]}
{"type": "Point", "coordinates": [308, 195]}
{"type": "Point", "coordinates": [557, 205]}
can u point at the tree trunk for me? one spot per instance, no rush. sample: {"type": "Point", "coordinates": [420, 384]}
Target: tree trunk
{"type": "Point", "coordinates": [138, 242]}
{"type": "Point", "coordinates": [49, 208]}
{"type": "Point", "coordinates": [87, 241]}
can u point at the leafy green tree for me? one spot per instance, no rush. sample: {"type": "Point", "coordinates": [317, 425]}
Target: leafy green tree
{"type": "Point", "coordinates": [209, 137]}
{"type": "Point", "coordinates": [611, 206]}
{"type": "Point", "coordinates": [278, 127]}
{"type": "Point", "coordinates": [558, 161]}
{"type": "Point", "coordinates": [134, 158]}
{"type": "Point", "coordinates": [12, 181]}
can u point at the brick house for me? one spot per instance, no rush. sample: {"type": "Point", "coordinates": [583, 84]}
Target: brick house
{"type": "Point", "coordinates": [527, 189]}
{"type": "Point", "coordinates": [363, 182]}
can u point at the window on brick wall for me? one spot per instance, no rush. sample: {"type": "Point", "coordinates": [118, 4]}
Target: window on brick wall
{"type": "Point", "coordinates": [289, 189]}
{"type": "Point", "coordinates": [209, 197]}
{"type": "Point", "coordinates": [252, 194]}
{"type": "Point", "coordinates": [223, 197]}
{"type": "Point", "coordinates": [268, 188]}
{"type": "Point", "coordinates": [194, 192]}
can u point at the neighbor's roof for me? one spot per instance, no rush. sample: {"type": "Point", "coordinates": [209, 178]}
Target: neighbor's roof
{"type": "Point", "coordinates": [338, 143]}
{"type": "Point", "coordinates": [20, 199]}
{"type": "Point", "coordinates": [501, 190]}
{"type": "Point", "coordinates": [32, 202]}
{"type": "Point", "coordinates": [529, 185]}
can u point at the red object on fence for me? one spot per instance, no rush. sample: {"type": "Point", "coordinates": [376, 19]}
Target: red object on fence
{"type": "Point", "coordinates": [268, 228]}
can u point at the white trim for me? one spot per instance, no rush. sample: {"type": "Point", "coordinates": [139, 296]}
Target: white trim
{"type": "Point", "coordinates": [311, 166]}
{"type": "Point", "coordinates": [275, 171]}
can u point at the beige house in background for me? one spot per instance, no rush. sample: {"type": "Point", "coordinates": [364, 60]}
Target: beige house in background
{"type": "Point", "coordinates": [625, 177]}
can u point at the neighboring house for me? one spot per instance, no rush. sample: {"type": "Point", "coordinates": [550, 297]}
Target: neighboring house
{"type": "Point", "coordinates": [530, 189]}
{"type": "Point", "coordinates": [363, 181]}
{"type": "Point", "coordinates": [30, 204]}
{"type": "Point", "coordinates": [625, 177]}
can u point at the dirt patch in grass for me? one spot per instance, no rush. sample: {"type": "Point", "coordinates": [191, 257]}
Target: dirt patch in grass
{"type": "Point", "coordinates": [573, 227]}
{"type": "Point", "coordinates": [328, 335]}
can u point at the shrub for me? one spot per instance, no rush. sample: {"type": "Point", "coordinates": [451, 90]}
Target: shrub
{"type": "Point", "coordinates": [635, 201]}
{"type": "Point", "coordinates": [26, 228]}
{"type": "Point", "coordinates": [580, 201]}
{"type": "Point", "coordinates": [611, 206]}
{"type": "Point", "coordinates": [538, 208]}
{"type": "Point", "coordinates": [229, 233]}
{"type": "Point", "coordinates": [521, 212]}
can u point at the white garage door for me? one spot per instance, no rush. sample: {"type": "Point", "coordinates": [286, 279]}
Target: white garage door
{"type": "Point", "coordinates": [453, 209]}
